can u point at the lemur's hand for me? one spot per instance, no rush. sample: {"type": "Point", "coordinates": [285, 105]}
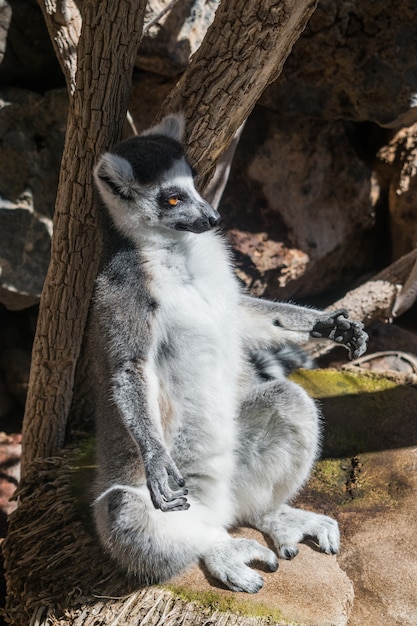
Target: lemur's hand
{"type": "Point", "coordinates": [340, 329]}
{"type": "Point", "coordinates": [158, 470]}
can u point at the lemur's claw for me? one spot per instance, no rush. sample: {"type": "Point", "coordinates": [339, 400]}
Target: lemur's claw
{"type": "Point", "coordinates": [337, 327]}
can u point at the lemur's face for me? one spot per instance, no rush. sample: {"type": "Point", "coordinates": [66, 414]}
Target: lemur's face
{"type": "Point", "coordinates": [146, 181]}
{"type": "Point", "coordinates": [179, 205]}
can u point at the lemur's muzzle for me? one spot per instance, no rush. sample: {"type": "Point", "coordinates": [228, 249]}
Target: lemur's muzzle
{"type": "Point", "coordinates": [208, 219]}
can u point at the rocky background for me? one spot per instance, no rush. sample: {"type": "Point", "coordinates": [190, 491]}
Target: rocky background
{"type": "Point", "coordinates": [322, 191]}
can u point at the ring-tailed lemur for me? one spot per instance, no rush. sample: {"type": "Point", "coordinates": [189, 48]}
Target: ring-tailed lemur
{"type": "Point", "coordinates": [190, 438]}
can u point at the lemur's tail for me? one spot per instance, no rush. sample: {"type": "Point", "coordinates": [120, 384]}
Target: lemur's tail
{"type": "Point", "coordinates": [150, 545]}
{"type": "Point", "coordinates": [274, 363]}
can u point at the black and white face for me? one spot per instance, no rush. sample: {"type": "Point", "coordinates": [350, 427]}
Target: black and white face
{"type": "Point", "coordinates": [147, 182]}
{"type": "Point", "coordinates": [180, 205]}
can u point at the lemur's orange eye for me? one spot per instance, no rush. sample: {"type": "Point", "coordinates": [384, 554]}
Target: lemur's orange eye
{"type": "Point", "coordinates": [173, 201]}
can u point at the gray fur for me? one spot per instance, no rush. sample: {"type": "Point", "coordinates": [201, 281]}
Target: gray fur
{"type": "Point", "coordinates": [191, 439]}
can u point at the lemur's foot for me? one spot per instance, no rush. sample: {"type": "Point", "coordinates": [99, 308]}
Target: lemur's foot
{"type": "Point", "coordinates": [228, 563]}
{"type": "Point", "coordinates": [340, 329]}
{"type": "Point", "coordinates": [293, 525]}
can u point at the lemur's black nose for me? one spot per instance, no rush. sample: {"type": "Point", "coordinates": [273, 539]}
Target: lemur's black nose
{"type": "Point", "coordinates": [211, 215]}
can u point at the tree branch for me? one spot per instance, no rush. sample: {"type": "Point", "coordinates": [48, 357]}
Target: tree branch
{"type": "Point", "coordinates": [63, 21]}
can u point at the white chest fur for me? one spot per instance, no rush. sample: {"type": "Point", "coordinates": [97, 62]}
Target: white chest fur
{"type": "Point", "coordinates": [196, 292]}
{"type": "Point", "coordinates": [197, 348]}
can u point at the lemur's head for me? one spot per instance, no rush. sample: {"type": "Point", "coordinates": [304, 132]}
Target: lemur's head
{"type": "Point", "coordinates": [147, 181]}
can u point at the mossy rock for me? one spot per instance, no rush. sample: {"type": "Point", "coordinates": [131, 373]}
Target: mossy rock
{"type": "Point", "coordinates": [367, 419]}
{"type": "Point", "coordinates": [363, 411]}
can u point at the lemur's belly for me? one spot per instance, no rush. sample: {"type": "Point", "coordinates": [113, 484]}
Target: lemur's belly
{"type": "Point", "coordinates": [198, 364]}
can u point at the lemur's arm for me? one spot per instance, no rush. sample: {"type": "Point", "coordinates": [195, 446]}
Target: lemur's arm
{"type": "Point", "coordinates": [124, 326]}
{"type": "Point", "coordinates": [267, 323]}
{"type": "Point", "coordinates": [133, 384]}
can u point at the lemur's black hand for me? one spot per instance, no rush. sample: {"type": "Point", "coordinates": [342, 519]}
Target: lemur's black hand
{"type": "Point", "coordinates": [158, 469]}
{"type": "Point", "coordinates": [340, 329]}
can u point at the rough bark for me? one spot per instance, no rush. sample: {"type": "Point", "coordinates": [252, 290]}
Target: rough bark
{"type": "Point", "coordinates": [377, 298]}
{"type": "Point", "coordinates": [107, 47]}
{"type": "Point", "coordinates": [63, 21]}
{"type": "Point", "coordinates": [244, 50]}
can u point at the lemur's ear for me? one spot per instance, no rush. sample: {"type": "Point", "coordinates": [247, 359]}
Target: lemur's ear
{"type": "Point", "coordinates": [114, 174]}
{"type": "Point", "coordinates": [171, 125]}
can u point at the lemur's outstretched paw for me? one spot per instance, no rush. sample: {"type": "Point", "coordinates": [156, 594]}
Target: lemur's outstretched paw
{"type": "Point", "coordinates": [159, 469]}
{"type": "Point", "coordinates": [339, 328]}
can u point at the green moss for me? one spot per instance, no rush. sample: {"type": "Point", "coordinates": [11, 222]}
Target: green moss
{"type": "Point", "coordinates": [234, 604]}
{"type": "Point", "coordinates": [330, 472]}
{"type": "Point", "coordinates": [367, 483]}
{"type": "Point", "coordinates": [327, 483]}
{"type": "Point", "coordinates": [325, 383]}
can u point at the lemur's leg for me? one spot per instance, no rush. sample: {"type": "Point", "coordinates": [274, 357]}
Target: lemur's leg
{"type": "Point", "coordinates": [279, 438]}
{"type": "Point", "coordinates": [156, 545]}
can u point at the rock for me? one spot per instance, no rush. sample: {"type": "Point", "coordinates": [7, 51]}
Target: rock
{"type": "Point", "coordinates": [391, 337]}
{"type": "Point", "coordinates": [310, 590]}
{"type": "Point", "coordinates": [5, 18]}
{"type": "Point", "coordinates": [169, 43]}
{"type": "Point", "coordinates": [367, 478]}
{"type": "Point", "coordinates": [15, 363]}
{"type": "Point", "coordinates": [16, 339]}
{"type": "Point", "coordinates": [297, 206]}
{"type": "Point", "coordinates": [354, 61]}
{"type": "Point", "coordinates": [371, 76]}
{"type": "Point", "coordinates": [361, 410]}
{"type": "Point", "coordinates": [10, 451]}
{"type": "Point", "coordinates": [29, 60]}
{"type": "Point", "coordinates": [380, 551]}
{"type": "Point", "coordinates": [32, 129]}
{"type": "Point", "coordinates": [24, 256]}
{"type": "Point", "coordinates": [280, 251]}
{"type": "Point", "coordinates": [146, 97]}
{"type": "Point", "coordinates": [6, 400]}
{"type": "Point", "coordinates": [397, 167]}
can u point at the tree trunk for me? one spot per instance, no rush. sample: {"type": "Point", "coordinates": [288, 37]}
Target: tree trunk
{"type": "Point", "coordinates": [107, 48]}
{"type": "Point", "coordinates": [243, 51]}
